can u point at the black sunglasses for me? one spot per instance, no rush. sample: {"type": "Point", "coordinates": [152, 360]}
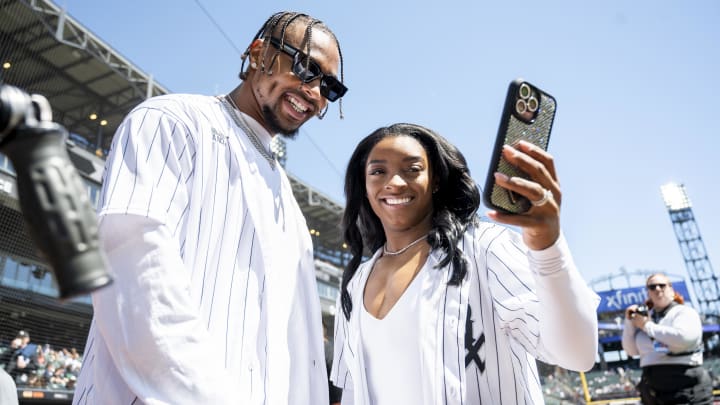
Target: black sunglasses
{"type": "Point", "coordinates": [652, 287]}
{"type": "Point", "coordinates": [308, 70]}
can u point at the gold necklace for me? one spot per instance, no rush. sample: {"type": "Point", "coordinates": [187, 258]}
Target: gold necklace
{"type": "Point", "coordinates": [386, 252]}
{"type": "Point", "coordinates": [239, 119]}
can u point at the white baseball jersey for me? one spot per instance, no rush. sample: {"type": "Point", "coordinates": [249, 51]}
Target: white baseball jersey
{"type": "Point", "coordinates": [214, 299]}
{"type": "Point", "coordinates": [479, 340]}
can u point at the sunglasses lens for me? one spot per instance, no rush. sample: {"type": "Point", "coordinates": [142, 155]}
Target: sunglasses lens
{"type": "Point", "coordinates": [331, 88]}
{"type": "Point", "coordinates": [307, 72]}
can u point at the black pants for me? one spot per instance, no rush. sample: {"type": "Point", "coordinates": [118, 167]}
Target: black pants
{"type": "Point", "coordinates": [675, 384]}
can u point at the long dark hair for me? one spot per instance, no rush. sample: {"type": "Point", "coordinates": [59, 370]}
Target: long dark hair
{"type": "Point", "coordinates": [455, 203]}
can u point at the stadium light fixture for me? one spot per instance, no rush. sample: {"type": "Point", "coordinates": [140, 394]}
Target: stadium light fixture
{"type": "Point", "coordinates": [675, 196]}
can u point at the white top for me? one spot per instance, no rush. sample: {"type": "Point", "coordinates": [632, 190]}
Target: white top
{"type": "Point", "coordinates": [479, 340]}
{"type": "Point", "coordinates": [392, 351]}
{"type": "Point", "coordinates": [679, 331]}
{"type": "Point", "coordinates": [214, 299]}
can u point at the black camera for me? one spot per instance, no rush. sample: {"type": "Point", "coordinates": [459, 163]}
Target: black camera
{"type": "Point", "coordinates": [52, 197]}
{"type": "Point", "coordinates": [641, 310]}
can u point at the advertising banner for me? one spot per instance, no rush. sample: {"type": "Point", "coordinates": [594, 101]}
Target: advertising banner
{"type": "Point", "coordinates": [618, 300]}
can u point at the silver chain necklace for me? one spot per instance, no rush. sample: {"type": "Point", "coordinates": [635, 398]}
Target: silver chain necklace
{"type": "Point", "coordinates": [237, 116]}
{"type": "Point", "coordinates": [386, 252]}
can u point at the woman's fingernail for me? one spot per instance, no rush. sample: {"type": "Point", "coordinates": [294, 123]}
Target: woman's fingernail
{"type": "Point", "coordinates": [501, 176]}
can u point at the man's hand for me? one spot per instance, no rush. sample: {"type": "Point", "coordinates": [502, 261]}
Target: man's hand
{"type": "Point", "coordinates": [630, 311]}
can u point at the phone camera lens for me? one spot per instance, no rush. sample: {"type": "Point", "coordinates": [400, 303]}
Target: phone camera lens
{"type": "Point", "coordinates": [525, 91]}
{"type": "Point", "coordinates": [521, 106]}
{"type": "Point", "coordinates": [532, 104]}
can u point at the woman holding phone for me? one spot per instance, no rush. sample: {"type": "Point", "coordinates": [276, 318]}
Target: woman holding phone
{"type": "Point", "coordinates": [449, 309]}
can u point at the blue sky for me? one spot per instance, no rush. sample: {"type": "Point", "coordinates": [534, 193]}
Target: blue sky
{"type": "Point", "coordinates": [635, 81]}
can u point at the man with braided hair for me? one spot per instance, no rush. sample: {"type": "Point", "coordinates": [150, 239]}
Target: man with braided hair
{"type": "Point", "coordinates": [214, 299]}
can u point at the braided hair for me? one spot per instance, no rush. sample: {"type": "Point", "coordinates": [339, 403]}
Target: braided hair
{"type": "Point", "coordinates": [277, 25]}
{"type": "Point", "coordinates": [455, 203]}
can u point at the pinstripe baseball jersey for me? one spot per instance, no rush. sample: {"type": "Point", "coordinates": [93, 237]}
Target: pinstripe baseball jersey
{"type": "Point", "coordinates": [214, 299]}
{"type": "Point", "coordinates": [479, 340]}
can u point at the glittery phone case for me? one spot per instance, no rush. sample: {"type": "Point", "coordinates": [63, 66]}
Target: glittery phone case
{"type": "Point", "coordinates": [532, 123]}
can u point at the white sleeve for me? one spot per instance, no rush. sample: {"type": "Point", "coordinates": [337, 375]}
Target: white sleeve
{"type": "Point", "coordinates": [628, 338]}
{"type": "Point", "coordinates": [542, 300]}
{"type": "Point", "coordinates": [150, 167]}
{"type": "Point", "coordinates": [568, 320]}
{"type": "Point", "coordinates": [339, 374]}
{"type": "Point", "coordinates": [146, 317]}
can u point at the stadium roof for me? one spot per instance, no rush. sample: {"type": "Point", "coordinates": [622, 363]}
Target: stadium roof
{"type": "Point", "coordinates": [45, 51]}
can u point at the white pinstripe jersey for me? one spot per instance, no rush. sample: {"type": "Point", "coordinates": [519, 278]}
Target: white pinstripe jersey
{"type": "Point", "coordinates": [480, 339]}
{"type": "Point", "coordinates": [215, 299]}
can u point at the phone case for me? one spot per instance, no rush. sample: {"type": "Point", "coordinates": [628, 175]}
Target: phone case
{"type": "Point", "coordinates": [528, 115]}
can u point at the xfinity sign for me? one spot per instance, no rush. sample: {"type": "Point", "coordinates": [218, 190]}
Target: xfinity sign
{"type": "Point", "coordinates": [618, 300]}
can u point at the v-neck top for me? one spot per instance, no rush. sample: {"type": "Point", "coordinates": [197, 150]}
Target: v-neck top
{"type": "Point", "coordinates": [391, 347]}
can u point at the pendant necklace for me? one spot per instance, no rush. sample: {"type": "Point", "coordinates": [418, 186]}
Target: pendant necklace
{"type": "Point", "coordinates": [386, 252]}
{"type": "Point", "coordinates": [239, 119]}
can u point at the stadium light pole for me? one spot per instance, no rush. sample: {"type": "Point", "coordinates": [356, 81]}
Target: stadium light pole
{"type": "Point", "coordinates": [702, 276]}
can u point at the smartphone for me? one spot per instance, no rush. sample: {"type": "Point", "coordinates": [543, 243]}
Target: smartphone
{"type": "Point", "coordinates": [528, 115]}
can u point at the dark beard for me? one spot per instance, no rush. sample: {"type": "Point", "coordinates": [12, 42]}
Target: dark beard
{"type": "Point", "coordinates": [275, 128]}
